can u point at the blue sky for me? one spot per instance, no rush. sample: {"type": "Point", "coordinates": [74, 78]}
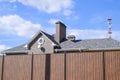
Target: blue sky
{"type": "Point", "coordinates": [86, 19]}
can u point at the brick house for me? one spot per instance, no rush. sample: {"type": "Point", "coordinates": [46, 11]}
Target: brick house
{"type": "Point", "coordinates": [90, 59]}
{"type": "Point", "coordinates": [57, 43]}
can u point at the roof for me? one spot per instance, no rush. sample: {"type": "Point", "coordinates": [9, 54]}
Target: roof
{"type": "Point", "coordinates": [89, 44]}
{"type": "Point", "coordinates": [71, 45]}
{"type": "Point", "coordinates": [24, 47]}
{"type": "Point", "coordinates": [50, 37]}
{"type": "Point", "coordinates": [18, 49]}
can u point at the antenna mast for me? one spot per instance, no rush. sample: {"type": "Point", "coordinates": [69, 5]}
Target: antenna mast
{"type": "Point", "coordinates": [110, 27]}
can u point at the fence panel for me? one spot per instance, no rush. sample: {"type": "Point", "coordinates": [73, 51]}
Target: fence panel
{"type": "Point", "coordinates": [72, 66]}
{"type": "Point", "coordinates": [39, 67]}
{"type": "Point", "coordinates": [17, 67]}
{"type": "Point", "coordinates": [57, 67]}
{"type": "Point", "coordinates": [112, 65]}
{"type": "Point", "coordinates": [84, 66]}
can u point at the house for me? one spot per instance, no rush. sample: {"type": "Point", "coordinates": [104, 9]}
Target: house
{"type": "Point", "coordinates": [45, 43]}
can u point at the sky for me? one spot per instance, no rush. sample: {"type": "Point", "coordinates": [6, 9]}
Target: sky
{"type": "Point", "coordinates": [86, 19]}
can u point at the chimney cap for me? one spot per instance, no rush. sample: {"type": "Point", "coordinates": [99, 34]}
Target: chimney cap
{"type": "Point", "coordinates": [58, 22]}
{"type": "Point", "coordinates": [71, 37]}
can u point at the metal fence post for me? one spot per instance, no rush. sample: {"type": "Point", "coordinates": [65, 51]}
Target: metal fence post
{"type": "Point", "coordinates": [64, 66]}
{"type": "Point", "coordinates": [2, 73]}
{"type": "Point", "coordinates": [103, 61]}
{"type": "Point", "coordinates": [32, 66]}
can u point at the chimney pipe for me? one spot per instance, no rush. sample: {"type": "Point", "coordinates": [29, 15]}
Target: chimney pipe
{"type": "Point", "coordinates": [60, 32]}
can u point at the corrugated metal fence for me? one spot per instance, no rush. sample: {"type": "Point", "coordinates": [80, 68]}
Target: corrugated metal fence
{"type": "Point", "coordinates": [62, 66]}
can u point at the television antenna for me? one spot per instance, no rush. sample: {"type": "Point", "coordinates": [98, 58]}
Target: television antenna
{"type": "Point", "coordinates": [110, 27]}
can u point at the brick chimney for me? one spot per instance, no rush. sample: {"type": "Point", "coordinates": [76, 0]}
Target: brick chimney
{"type": "Point", "coordinates": [60, 32]}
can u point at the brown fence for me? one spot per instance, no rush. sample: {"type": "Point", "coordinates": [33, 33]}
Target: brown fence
{"type": "Point", "coordinates": [62, 66]}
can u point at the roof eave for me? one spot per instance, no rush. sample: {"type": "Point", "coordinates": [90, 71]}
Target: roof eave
{"type": "Point", "coordinates": [15, 52]}
{"type": "Point", "coordinates": [85, 50]}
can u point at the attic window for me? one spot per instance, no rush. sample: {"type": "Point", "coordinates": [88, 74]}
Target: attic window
{"type": "Point", "coordinates": [41, 41]}
{"type": "Point", "coordinates": [42, 49]}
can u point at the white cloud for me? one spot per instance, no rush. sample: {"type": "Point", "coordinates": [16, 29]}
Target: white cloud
{"type": "Point", "coordinates": [3, 47]}
{"type": "Point", "coordinates": [49, 6]}
{"type": "Point", "coordinates": [67, 12]}
{"type": "Point", "coordinates": [91, 34]}
{"type": "Point", "coordinates": [14, 24]}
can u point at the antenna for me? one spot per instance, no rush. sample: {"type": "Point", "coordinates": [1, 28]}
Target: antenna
{"type": "Point", "coordinates": [110, 27]}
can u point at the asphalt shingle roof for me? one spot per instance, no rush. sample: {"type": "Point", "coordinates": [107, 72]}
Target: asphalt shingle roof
{"type": "Point", "coordinates": [50, 37]}
{"type": "Point", "coordinates": [17, 49]}
{"type": "Point", "coordinates": [68, 45]}
{"type": "Point", "coordinates": [90, 44]}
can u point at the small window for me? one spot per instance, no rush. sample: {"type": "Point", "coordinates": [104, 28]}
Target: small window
{"type": "Point", "coordinates": [41, 41]}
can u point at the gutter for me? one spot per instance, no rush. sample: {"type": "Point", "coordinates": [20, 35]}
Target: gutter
{"type": "Point", "coordinates": [85, 50]}
{"type": "Point", "coordinates": [14, 52]}
{"type": "Point", "coordinates": [70, 49]}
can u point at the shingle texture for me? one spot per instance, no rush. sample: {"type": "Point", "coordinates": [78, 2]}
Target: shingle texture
{"type": "Point", "coordinates": [50, 37]}
{"type": "Point", "coordinates": [17, 49]}
{"type": "Point", "coordinates": [90, 44]}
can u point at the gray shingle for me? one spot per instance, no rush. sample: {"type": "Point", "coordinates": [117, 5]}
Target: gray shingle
{"type": "Point", "coordinates": [17, 49]}
{"type": "Point", "coordinates": [90, 44]}
{"type": "Point", "coordinates": [50, 37]}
